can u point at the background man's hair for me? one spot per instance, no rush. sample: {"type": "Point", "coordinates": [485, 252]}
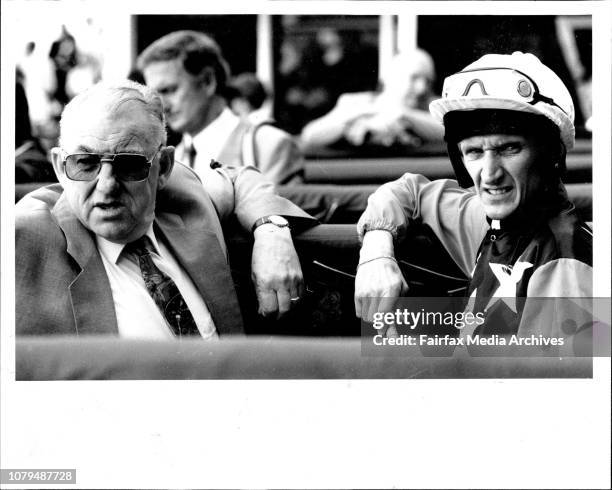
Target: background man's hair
{"type": "Point", "coordinates": [196, 50]}
{"type": "Point", "coordinates": [110, 97]}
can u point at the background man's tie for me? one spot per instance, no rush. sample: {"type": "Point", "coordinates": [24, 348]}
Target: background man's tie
{"type": "Point", "coordinates": [163, 290]}
{"type": "Point", "coordinates": [191, 154]}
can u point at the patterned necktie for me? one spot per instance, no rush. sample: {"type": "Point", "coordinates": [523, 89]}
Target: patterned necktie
{"type": "Point", "coordinates": [164, 291]}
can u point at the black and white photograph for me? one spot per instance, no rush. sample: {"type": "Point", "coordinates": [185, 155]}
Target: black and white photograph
{"type": "Point", "coordinates": [334, 244]}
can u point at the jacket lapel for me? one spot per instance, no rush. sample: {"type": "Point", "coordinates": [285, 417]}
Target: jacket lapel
{"type": "Point", "coordinates": [199, 251]}
{"type": "Point", "coordinates": [231, 153]}
{"type": "Point", "coordinates": [92, 300]}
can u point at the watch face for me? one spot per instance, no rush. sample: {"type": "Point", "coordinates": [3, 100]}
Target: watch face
{"type": "Point", "coordinates": [278, 220]}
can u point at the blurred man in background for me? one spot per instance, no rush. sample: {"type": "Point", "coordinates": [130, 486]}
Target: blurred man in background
{"type": "Point", "coordinates": [396, 115]}
{"type": "Point", "coordinates": [248, 98]}
{"type": "Point", "coordinates": [190, 73]}
{"type": "Point", "coordinates": [31, 162]}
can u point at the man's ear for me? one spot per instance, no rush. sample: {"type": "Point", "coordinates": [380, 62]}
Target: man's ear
{"type": "Point", "coordinates": [57, 162]}
{"type": "Point", "coordinates": [166, 164]}
{"type": "Point", "coordinates": [207, 80]}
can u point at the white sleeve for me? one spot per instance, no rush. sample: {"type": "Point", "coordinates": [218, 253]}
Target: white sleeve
{"type": "Point", "coordinates": [455, 215]}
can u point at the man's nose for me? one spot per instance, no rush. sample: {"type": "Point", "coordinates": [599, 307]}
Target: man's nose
{"type": "Point", "coordinates": [107, 181]}
{"type": "Point", "coordinates": [492, 170]}
{"type": "Point", "coordinates": [166, 102]}
{"type": "Point", "coordinates": [420, 85]}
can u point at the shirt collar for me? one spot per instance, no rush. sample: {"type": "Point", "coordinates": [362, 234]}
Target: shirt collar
{"type": "Point", "coordinates": [112, 251]}
{"type": "Point", "coordinates": [216, 131]}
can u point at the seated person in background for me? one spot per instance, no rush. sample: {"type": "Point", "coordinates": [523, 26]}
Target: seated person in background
{"type": "Point", "coordinates": [508, 122]}
{"type": "Point", "coordinates": [248, 98]}
{"type": "Point", "coordinates": [190, 73]}
{"type": "Point", "coordinates": [396, 116]}
{"type": "Point", "coordinates": [130, 243]}
{"type": "Point", "coordinates": [31, 163]}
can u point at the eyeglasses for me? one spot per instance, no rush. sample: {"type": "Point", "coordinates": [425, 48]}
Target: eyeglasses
{"type": "Point", "coordinates": [128, 167]}
{"type": "Point", "coordinates": [505, 83]}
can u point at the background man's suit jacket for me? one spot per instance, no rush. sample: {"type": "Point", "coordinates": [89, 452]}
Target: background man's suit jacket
{"type": "Point", "coordinates": [272, 151]}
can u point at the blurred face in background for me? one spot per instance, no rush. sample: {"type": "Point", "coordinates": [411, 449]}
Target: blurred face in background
{"type": "Point", "coordinates": [187, 98]}
{"type": "Point", "coordinates": [241, 107]}
{"type": "Point", "coordinates": [410, 79]}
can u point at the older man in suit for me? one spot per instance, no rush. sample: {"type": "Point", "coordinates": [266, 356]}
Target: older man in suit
{"type": "Point", "coordinates": [130, 243]}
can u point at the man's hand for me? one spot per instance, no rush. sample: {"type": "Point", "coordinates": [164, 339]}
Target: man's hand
{"type": "Point", "coordinates": [384, 129]}
{"type": "Point", "coordinates": [275, 270]}
{"type": "Point", "coordinates": [379, 281]}
{"type": "Point", "coordinates": [355, 132]}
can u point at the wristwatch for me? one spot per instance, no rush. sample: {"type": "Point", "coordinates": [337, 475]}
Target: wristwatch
{"type": "Point", "coordinates": [273, 219]}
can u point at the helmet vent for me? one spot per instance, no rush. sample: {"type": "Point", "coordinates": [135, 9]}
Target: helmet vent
{"type": "Point", "coordinates": [524, 88]}
{"type": "Point", "coordinates": [469, 86]}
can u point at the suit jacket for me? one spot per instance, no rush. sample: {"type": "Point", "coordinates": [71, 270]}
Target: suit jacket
{"type": "Point", "coordinates": [271, 150]}
{"type": "Point", "coordinates": [62, 286]}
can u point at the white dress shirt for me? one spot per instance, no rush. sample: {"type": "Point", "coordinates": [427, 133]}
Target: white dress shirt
{"type": "Point", "coordinates": [137, 314]}
{"type": "Point", "coordinates": [209, 142]}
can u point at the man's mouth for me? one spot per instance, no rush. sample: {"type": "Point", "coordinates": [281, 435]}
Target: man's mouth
{"type": "Point", "coordinates": [497, 191]}
{"type": "Point", "coordinates": [106, 206]}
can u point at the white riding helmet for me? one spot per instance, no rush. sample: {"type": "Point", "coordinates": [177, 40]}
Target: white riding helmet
{"type": "Point", "coordinates": [516, 82]}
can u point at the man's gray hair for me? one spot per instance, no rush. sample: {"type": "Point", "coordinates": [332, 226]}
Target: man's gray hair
{"type": "Point", "coordinates": [110, 97]}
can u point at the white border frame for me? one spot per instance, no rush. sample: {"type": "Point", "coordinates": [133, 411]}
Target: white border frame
{"type": "Point", "coordinates": [360, 433]}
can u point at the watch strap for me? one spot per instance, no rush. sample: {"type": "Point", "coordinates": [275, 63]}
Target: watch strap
{"type": "Point", "coordinates": [267, 219]}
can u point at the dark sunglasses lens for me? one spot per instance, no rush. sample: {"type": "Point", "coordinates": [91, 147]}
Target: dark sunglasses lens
{"type": "Point", "coordinates": [131, 167]}
{"type": "Point", "coordinates": [84, 166]}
